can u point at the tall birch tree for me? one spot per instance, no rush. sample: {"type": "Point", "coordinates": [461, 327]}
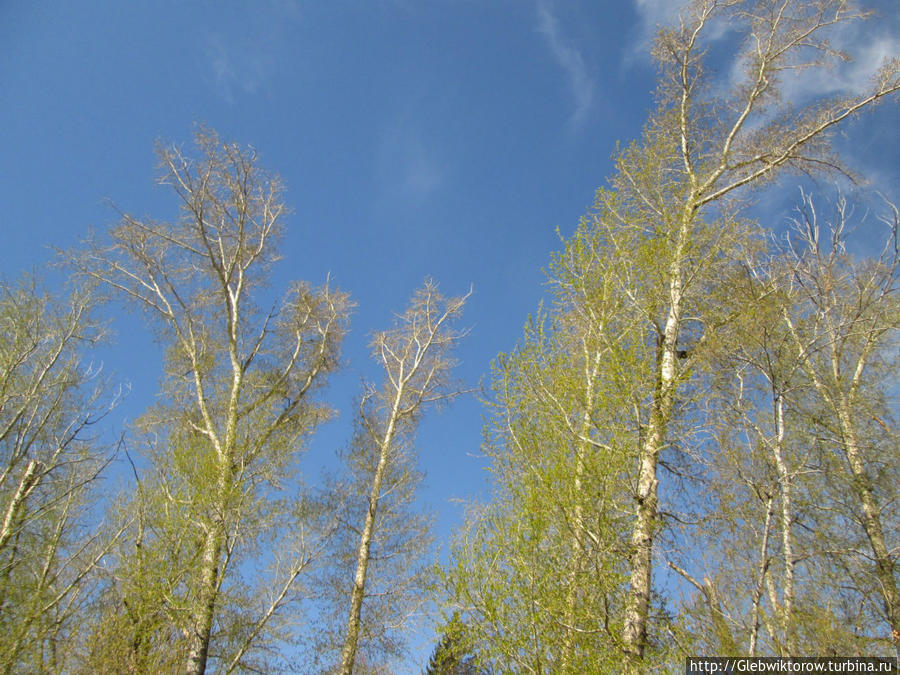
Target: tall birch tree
{"type": "Point", "coordinates": [845, 341]}
{"type": "Point", "coordinates": [51, 400]}
{"type": "Point", "coordinates": [788, 556]}
{"type": "Point", "coordinates": [753, 582]}
{"type": "Point", "coordinates": [676, 191]}
{"type": "Point", "coordinates": [236, 404]}
{"type": "Point", "coordinates": [538, 573]}
{"type": "Point", "coordinates": [387, 536]}
{"type": "Point", "coordinates": [722, 143]}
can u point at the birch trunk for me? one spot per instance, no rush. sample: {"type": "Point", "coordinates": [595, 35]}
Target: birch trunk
{"type": "Point", "coordinates": [761, 577]}
{"type": "Point", "coordinates": [787, 541]}
{"type": "Point", "coordinates": [577, 547]}
{"type": "Point", "coordinates": [26, 485]}
{"type": "Point", "coordinates": [206, 603]}
{"type": "Point", "coordinates": [839, 383]}
{"type": "Point", "coordinates": [884, 563]}
{"type": "Point", "coordinates": [637, 605]}
{"type": "Point", "coordinates": [416, 362]}
{"type": "Point", "coordinates": [214, 541]}
{"type": "Point", "coordinates": [348, 654]}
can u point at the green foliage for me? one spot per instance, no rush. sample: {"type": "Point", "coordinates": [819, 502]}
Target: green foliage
{"type": "Point", "coordinates": [448, 658]}
{"type": "Point", "coordinates": [378, 569]}
{"type": "Point", "coordinates": [693, 444]}
{"type": "Point", "coordinates": [560, 435]}
{"type": "Point", "coordinates": [49, 461]}
{"type": "Point", "coordinates": [215, 487]}
{"type": "Point", "coordinates": [610, 458]}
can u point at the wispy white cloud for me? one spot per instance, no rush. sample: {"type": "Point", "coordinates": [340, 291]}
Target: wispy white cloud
{"type": "Point", "coordinates": [231, 73]}
{"type": "Point", "coordinates": [656, 13]}
{"type": "Point", "coordinates": [569, 59]}
{"type": "Point", "coordinates": [868, 44]}
{"type": "Point", "coordinates": [868, 47]}
{"type": "Point", "coordinates": [420, 170]}
{"type": "Point", "coordinates": [239, 64]}
{"type": "Point", "coordinates": [408, 167]}
{"type": "Point", "coordinates": [868, 54]}
{"type": "Point", "coordinates": [652, 14]}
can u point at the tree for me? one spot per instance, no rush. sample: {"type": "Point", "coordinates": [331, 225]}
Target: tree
{"type": "Point", "coordinates": [670, 219]}
{"type": "Point", "coordinates": [758, 478]}
{"type": "Point", "coordinates": [538, 573]}
{"type": "Point", "coordinates": [743, 140]}
{"type": "Point", "coordinates": [844, 341]}
{"type": "Point", "coordinates": [50, 398]}
{"type": "Point", "coordinates": [448, 658]}
{"type": "Point", "coordinates": [417, 362]}
{"type": "Point", "coordinates": [790, 562]}
{"type": "Point", "coordinates": [236, 403]}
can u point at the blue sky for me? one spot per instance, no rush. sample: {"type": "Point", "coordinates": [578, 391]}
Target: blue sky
{"type": "Point", "coordinates": [447, 138]}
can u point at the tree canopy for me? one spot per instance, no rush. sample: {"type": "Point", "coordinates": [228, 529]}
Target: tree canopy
{"type": "Point", "coordinates": [692, 445]}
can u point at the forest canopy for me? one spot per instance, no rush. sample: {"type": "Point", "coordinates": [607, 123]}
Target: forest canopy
{"type": "Point", "coordinates": [692, 444]}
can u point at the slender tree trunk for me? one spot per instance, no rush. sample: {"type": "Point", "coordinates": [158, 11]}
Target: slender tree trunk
{"type": "Point", "coordinates": [348, 653]}
{"type": "Point", "coordinates": [26, 485]}
{"type": "Point", "coordinates": [214, 541]}
{"type": "Point", "coordinates": [576, 564]}
{"type": "Point", "coordinates": [12, 522]}
{"type": "Point", "coordinates": [789, 633]}
{"type": "Point", "coordinates": [206, 600]}
{"type": "Point", "coordinates": [210, 572]}
{"type": "Point", "coordinates": [638, 601]}
{"type": "Point", "coordinates": [884, 564]}
{"type": "Point", "coordinates": [637, 605]}
{"type": "Point", "coordinates": [761, 576]}
{"type": "Point", "coordinates": [576, 567]}
{"type": "Point", "coordinates": [843, 402]}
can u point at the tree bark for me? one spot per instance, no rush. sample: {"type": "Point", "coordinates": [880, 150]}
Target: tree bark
{"type": "Point", "coordinates": [207, 595]}
{"type": "Point", "coordinates": [637, 605]}
{"type": "Point", "coordinates": [577, 546]}
{"type": "Point", "coordinates": [26, 485]}
{"type": "Point", "coordinates": [761, 577]}
{"type": "Point", "coordinates": [348, 653]}
{"type": "Point", "coordinates": [843, 401]}
{"type": "Point", "coordinates": [789, 633]}
{"type": "Point", "coordinates": [871, 521]}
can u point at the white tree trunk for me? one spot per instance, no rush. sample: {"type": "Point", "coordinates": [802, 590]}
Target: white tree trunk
{"type": "Point", "coordinates": [348, 653]}
{"type": "Point", "coordinates": [789, 634]}
{"type": "Point", "coordinates": [638, 601]}
{"type": "Point", "coordinates": [577, 561]}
